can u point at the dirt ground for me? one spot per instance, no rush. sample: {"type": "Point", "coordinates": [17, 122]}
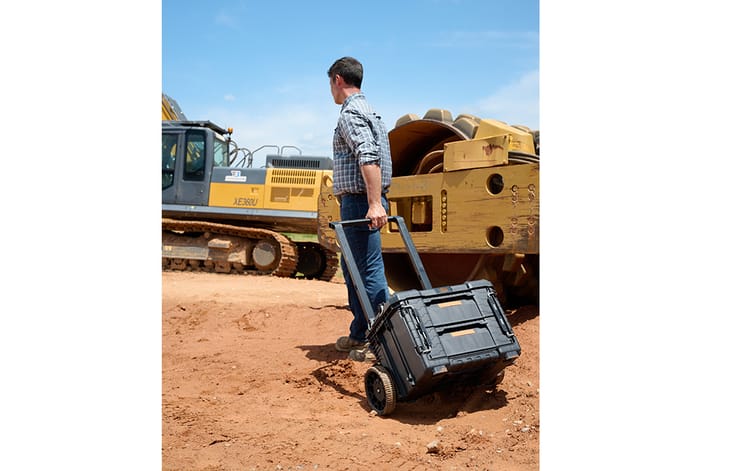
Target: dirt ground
{"type": "Point", "coordinates": [252, 381]}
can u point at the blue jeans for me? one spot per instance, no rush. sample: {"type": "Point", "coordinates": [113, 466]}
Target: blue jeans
{"type": "Point", "coordinates": [366, 247]}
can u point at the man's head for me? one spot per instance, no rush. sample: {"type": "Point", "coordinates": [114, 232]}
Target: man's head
{"type": "Point", "coordinates": [345, 78]}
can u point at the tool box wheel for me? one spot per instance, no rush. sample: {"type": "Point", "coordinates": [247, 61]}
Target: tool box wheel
{"type": "Point", "coordinates": [492, 379]}
{"type": "Point", "coordinates": [380, 390]}
{"type": "Point", "coordinates": [499, 378]}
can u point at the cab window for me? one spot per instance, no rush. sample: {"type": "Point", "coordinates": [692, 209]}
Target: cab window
{"type": "Point", "coordinates": [194, 168]}
{"type": "Point", "coordinates": [220, 152]}
{"type": "Point", "coordinates": [168, 159]}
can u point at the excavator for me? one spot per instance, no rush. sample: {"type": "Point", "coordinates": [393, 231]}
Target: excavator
{"type": "Point", "coordinates": [468, 191]}
{"type": "Point", "coordinates": [219, 214]}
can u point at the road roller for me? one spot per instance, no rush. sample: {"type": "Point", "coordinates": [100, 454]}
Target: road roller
{"type": "Point", "coordinates": [467, 189]}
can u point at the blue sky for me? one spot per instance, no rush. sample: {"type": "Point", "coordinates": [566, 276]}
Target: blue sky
{"type": "Point", "coordinates": [260, 67]}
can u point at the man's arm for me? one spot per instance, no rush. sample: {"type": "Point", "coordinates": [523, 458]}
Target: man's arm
{"type": "Point", "coordinates": [376, 212]}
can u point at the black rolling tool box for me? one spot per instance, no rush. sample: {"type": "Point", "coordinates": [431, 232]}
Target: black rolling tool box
{"type": "Point", "coordinates": [430, 338]}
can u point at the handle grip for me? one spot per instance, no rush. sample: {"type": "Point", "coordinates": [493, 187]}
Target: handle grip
{"type": "Point", "coordinates": [412, 253]}
{"type": "Point", "coordinates": [359, 222]}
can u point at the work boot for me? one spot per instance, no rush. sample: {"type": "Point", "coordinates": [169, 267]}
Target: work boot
{"type": "Point", "coordinates": [363, 354]}
{"type": "Point", "coordinates": [345, 344]}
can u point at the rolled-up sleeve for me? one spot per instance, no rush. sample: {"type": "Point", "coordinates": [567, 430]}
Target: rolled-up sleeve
{"type": "Point", "coordinates": [359, 137]}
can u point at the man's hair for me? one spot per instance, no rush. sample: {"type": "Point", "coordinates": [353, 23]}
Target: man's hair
{"type": "Point", "coordinates": [349, 69]}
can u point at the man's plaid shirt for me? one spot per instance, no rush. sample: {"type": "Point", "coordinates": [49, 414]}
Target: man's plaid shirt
{"type": "Point", "coordinates": [360, 139]}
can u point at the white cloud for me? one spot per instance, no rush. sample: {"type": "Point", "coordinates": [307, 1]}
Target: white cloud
{"type": "Point", "coordinates": [308, 127]}
{"type": "Point", "coordinates": [226, 19]}
{"type": "Point", "coordinates": [515, 103]}
{"type": "Point", "coordinates": [309, 124]}
{"type": "Point", "coordinates": [229, 97]}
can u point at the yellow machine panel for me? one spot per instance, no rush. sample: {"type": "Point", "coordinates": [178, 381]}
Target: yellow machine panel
{"type": "Point", "coordinates": [475, 153]}
{"type": "Point", "coordinates": [270, 189]}
{"type": "Point", "coordinates": [502, 204]}
{"type": "Point", "coordinates": [293, 188]}
{"type": "Point", "coordinates": [521, 141]}
{"type": "Point", "coordinates": [233, 195]}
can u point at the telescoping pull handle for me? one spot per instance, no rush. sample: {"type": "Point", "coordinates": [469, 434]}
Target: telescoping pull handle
{"type": "Point", "coordinates": [412, 253]}
{"type": "Point", "coordinates": [347, 258]}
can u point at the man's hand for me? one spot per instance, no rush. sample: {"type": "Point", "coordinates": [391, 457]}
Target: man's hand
{"type": "Point", "coordinates": [377, 215]}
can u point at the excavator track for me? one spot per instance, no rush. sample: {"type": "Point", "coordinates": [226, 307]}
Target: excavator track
{"type": "Point", "coordinates": [333, 263]}
{"type": "Point", "coordinates": [283, 263]}
{"type": "Point", "coordinates": [316, 261]}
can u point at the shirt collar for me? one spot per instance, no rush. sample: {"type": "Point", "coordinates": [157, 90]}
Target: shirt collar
{"type": "Point", "coordinates": [351, 98]}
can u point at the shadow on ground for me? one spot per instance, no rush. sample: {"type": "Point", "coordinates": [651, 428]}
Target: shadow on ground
{"type": "Point", "coordinates": [455, 399]}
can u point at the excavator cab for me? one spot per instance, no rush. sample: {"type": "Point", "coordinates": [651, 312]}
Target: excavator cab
{"type": "Point", "coordinates": [189, 152]}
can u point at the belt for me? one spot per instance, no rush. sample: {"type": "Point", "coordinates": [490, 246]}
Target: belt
{"type": "Point", "coordinates": [361, 195]}
{"type": "Point", "coordinates": [383, 193]}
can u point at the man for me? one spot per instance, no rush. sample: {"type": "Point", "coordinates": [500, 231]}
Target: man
{"type": "Point", "coordinates": [362, 173]}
